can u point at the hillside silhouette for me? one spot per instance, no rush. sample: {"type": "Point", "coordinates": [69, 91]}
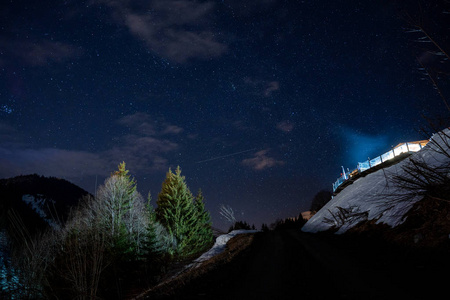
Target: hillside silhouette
{"type": "Point", "coordinates": [56, 196]}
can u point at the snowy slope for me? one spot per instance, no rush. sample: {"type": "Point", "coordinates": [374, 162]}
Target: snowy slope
{"type": "Point", "coordinates": [39, 201]}
{"type": "Point", "coordinates": [218, 247]}
{"type": "Point", "coordinates": [42, 206]}
{"type": "Point", "coordinates": [220, 244]}
{"type": "Point", "coordinates": [367, 198]}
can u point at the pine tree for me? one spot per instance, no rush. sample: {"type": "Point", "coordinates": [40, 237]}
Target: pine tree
{"type": "Point", "coordinates": [153, 246]}
{"type": "Point", "coordinates": [120, 211]}
{"type": "Point", "coordinates": [203, 226]}
{"type": "Point", "coordinates": [178, 213]}
{"type": "Point", "coordinates": [264, 227]}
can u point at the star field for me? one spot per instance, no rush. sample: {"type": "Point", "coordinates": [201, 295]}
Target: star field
{"type": "Point", "coordinates": [260, 102]}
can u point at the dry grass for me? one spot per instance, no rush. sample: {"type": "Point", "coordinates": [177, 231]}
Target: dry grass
{"type": "Point", "coordinates": [427, 225]}
{"type": "Point", "coordinates": [169, 286]}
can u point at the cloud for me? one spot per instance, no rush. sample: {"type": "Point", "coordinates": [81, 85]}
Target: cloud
{"type": "Point", "coordinates": [141, 153]}
{"type": "Point", "coordinates": [261, 161]}
{"type": "Point", "coordinates": [173, 29]}
{"type": "Point", "coordinates": [50, 162]}
{"type": "Point", "coordinates": [285, 126]}
{"type": "Point", "coordinates": [172, 129]}
{"type": "Point", "coordinates": [140, 122]}
{"type": "Point", "coordinates": [39, 53]}
{"type": "Point", "coordinates": [145, 125]}
{"type": "Point", "coordinates": [247, 8]}
{"type": "Point", "coordinates": [7, 132]}
{"type": "Point", "coordinates": [143, 149]}
{"type": "Point", "coordinates": [271, 87]}
{"type": "Point", "coordinates": [242, 125]}
{"type": "Point", "coordinates": [262, 87]}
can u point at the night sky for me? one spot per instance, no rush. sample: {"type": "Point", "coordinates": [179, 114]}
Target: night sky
{"type": "Point", "coordinates": [259, 102]}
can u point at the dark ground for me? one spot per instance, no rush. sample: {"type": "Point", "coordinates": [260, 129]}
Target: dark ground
{"type": "Point", "coordinates": [289, 263]}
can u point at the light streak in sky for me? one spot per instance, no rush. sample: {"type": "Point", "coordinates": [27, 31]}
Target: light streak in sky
{"type": "Point", "coordinates": [223, 156]}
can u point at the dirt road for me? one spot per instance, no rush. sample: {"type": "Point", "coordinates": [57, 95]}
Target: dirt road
{"type": "Point", "coordinates": [289, 263]}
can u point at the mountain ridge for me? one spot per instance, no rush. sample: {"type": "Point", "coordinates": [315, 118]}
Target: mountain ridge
{"type": "Point", "coordinates": [39, 201]}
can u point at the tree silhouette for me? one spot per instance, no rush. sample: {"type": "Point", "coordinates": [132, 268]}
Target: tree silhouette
{"type": "Point", "coordinates": [320, 199]}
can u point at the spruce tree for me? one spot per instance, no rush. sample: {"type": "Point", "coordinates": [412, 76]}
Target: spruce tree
{"type": "Point", "coordinates": [153, 245]}
{"type": "Point", "coordinates": [178, 213]}
{"type": "Point", "coordinates": [203, 225]}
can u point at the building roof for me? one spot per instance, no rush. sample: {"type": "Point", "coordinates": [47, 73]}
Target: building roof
{"type": "Point", "coordinates": [422, 142]}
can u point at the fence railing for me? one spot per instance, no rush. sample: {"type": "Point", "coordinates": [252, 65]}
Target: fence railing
{"type": "Point", "coordinates": [341, 180]}
{"type": "Point", "coordinates": [402, 148]}
{"type": "Point", "coordinates": [370, 163]}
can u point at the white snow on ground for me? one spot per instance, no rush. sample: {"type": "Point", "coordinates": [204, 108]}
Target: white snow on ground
{"type": "Point", "coordinates": [220, 245]}
{"type": "Point", "coordinates": [366, 198]}
{"type": "Point", "coordinates": [40, 205]}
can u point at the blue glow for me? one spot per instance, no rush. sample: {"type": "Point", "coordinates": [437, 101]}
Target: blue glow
{"type": "Point", "coordinates": [360, 146]}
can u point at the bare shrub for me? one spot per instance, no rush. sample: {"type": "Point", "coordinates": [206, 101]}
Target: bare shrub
{"type": "Point", "coordinates": [28, 260]}
{"type": "Point", "coordinates": [420, 178]}
{"type": "Point", "coordinates": [423, 180]}
{"type": "Point", "coordinates": [228, 213]}
{"type": "Point", "coordinates": [345, 216]}
{"type": "Point", "coordinates": [83, 255]}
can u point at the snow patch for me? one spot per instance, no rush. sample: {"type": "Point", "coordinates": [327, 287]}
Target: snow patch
{"type": "Point", "coordinates": [220, 245]}
{"type": "Point", "coordinates": [41, 206]}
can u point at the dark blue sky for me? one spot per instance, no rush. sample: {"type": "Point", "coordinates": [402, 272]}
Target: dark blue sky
{"type": "Point", "coordinates": [259, 102]}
